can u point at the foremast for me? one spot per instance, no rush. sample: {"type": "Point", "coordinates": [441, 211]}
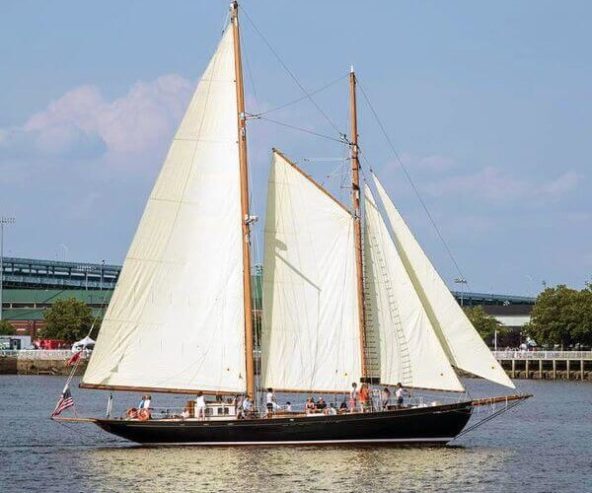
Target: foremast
{"type": "Point", "coordinates": [245, 213]}
{"type": "Point", "coordinates": [357, 216]}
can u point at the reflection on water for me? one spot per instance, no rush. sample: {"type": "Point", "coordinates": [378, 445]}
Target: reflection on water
{"type": "Point", "coordinates": [288, 469]}
{"type": "Point", "coordinates": [541, 446]}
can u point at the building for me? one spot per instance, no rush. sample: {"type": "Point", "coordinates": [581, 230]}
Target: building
{"type": "Point", "coordinates": [32, 285]}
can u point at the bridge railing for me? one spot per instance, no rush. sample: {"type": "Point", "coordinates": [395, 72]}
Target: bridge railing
{"type": "Point", "coordinates": [523, 355]}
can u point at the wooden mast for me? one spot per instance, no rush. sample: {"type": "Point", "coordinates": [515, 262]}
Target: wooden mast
{"type": "Point", "coordinates": [355, 168]}
{"type": "Point", "coordinates": [246, 218]}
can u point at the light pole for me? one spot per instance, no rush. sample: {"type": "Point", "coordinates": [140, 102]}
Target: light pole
{"type": "Point", "coordinates": [461, 280]}
{"type": "Point", "coordinates": [3, 220]}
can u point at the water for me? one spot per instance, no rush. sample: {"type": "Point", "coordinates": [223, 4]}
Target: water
{"type": "Point", "coordinates": [541, 446]}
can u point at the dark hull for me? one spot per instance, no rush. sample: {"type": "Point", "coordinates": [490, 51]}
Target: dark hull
{"type": "Point", "coordinates": [427, 426]}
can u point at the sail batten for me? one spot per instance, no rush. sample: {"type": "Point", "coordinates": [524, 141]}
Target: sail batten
{"type": "Point", "coordinates": [310, 331]}
{"type": "Point", "coordinates": [409, 351]}
{"type": "Point", "coordinates": [463, 345]}
{"type": "Point", "coordinates": [176, 318]}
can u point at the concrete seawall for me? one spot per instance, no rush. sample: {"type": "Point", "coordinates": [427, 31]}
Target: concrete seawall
{"type": "Point", "coordinates": [37, 363]}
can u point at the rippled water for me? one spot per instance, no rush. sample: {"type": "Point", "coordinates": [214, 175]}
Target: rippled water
{"type": "Point", "coordinates": [542, 446]}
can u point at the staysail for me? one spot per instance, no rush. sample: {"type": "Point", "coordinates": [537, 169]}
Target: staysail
{"type": "Point", "coordinates": [462, 344]}
{"type": "Point", "coordinates": [176, 318]}
{"type": "Point", "coordinates": [409, 350]}
{"type": "Point", "coordinates": [311, 338]}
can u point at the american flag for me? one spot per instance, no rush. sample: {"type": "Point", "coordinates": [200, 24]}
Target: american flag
{"type": "Point", "coordinates": [65, 402]}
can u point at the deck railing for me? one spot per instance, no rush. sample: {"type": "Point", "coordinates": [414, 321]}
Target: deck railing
{"type": "Point", "coordinates": [37, 354]}
{"type": "Point", "coordinates": [545, 355]}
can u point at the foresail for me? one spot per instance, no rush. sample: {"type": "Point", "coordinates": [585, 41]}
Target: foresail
{"type": "Point", "coordinates": [310, 317]}
{"type": "Point", "coordinates": [409, 351]}
{"type": "Point", "coordinates": [176, 318]}
{"type": "Point", "coordinates": [461, 342]}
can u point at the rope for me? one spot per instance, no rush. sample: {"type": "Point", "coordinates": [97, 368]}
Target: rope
{"type": "Point", "coordinates": [298, 100]}
{"type": "Point", "coordinates": [341, 140]}
{"type": "Point", "coordinates": [289, 72]}
{"type": "Point", "coordinates": [409, 179]}
{"type": "Point", "coordinates": [495, 414]}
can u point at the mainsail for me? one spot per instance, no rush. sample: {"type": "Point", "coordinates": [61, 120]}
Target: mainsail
{"type": "Point", "coordinates": [176, 318]}
{"type": "Point", "coordinates": [310, 327]}
{"type": "Point", "coordinates": [462, 344]}
{"type": "Point", "coordinates": [410, 352]}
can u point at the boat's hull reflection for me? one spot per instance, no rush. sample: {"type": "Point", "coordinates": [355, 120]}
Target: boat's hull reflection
{"type": "Point", "coordinates": [434, 425]}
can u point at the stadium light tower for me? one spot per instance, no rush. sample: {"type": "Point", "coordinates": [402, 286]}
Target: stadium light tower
{"type": "Point", "coordinates": [3, 220]}
{"type": "Point", "coordinates": [463, 282]}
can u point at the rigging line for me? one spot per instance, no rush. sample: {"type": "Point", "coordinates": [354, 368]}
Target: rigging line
{"type": "Point", "coordinates": [316, 91]}
{"type": "Point", "coordinates": [290, 73]}
{"type": "Point", "coordinates": [410, 180]}
{"type": "Point", "coordinates": [305, 130]}
{"type": "Point", "coordinates": [249, 73]}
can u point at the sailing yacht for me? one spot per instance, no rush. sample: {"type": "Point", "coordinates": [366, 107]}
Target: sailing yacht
{"type": "Point", "coordinates": [348, 296]}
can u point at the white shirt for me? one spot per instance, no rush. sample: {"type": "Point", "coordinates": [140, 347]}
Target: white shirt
{"type": "Point", "coordinates": [200, 401]}
{"type": "Point", "coordinates": [247, 405]}
{"type": "Point", "coordinates": [146, 404]}
{"type": "Point", "coordinates": [270, 398]}
{"type": "Point", "coordinates": [399, 393]}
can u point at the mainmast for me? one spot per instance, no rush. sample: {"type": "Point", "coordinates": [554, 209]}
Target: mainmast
{"type": "Point", "coordinates": [246, 218]}
{"type": "Point", "coordinates": [355, 167]}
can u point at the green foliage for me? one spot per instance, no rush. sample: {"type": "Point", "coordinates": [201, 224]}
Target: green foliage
{"type": "Point", "coordinates": [6, 329]}
{"type": "Point", "coordinates": [485, 324]}
{"type": "Point", "coordinates": [563, 316]}
{"type": "Point", "coordinates": [69, 320]}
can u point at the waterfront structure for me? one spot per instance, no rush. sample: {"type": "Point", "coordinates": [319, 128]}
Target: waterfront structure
{"type": "Point", "coordinates": [32, 285]}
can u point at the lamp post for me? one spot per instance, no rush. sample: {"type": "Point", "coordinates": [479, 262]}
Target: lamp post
{"type": "Point", "coordinates": [461, 280]}
{"type": "Point", "coordinates": [3, 220]}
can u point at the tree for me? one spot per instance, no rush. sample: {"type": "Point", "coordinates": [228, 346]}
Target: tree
{"type": "Point", "coordinates": [6, 329]}
{"type": "Point", "coordinates": [68, 319]}
{"type": "Point", "coordinates": [485, 324]}
{"type": "Point", "coordinates": [563, 316]}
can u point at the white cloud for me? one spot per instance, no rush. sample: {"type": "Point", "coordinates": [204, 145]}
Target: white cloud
{"type": "Point", "coordinates": [495, 185]}
{"type": "Point", "coordinates": [83, 124]}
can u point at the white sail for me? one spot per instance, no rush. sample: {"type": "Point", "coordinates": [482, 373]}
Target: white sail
{"type": "Point", "coordinates": [461, 342]}
{"type": "Point", "coordinates": [409, 350]}
{"type": "Point", "coordinates": [311, 338]}
{"type": "Point", "coordinates": [176, 318]}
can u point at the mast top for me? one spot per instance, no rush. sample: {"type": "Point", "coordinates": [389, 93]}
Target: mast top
{"type": "Point", "coordinates": [351, 69]}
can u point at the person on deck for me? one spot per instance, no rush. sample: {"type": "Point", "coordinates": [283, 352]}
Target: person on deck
{"type": "Point", "coordinates": [200, 406]}
{"type": "Point", "coordinates": [364, 397]}
{"type": "Point", "coordinates": [321, 404]}
{"type": "Point", "coordinates": [146, 401]}
{"type": "Point", "coordinates": [353, 397]}
{"type": "Point", "coordinates": [247, 405]}
{"type": "Point", "coordinates": [270, 401]}
{"type": "Point", "coordinates": [400, 394]}
{"type": "Point", "coordinates": [309, 407]}
{"type": "Point", "coordinates": [385, 398]}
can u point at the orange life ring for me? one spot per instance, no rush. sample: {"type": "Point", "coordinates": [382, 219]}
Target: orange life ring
{"type": "Point", "coordinates": [143, 414]}
{"type": "Point", "coordinates": [132, 413]}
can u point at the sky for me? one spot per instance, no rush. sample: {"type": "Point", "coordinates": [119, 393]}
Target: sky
{"type": "Point", "coordinates": [488, 106]}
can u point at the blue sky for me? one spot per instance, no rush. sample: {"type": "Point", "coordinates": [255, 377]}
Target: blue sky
{"type": "Point", "coordinates": [488, 105]}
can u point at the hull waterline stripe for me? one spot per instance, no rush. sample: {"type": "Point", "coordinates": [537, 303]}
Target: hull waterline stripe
{"type": "Point", "coordinates": [306, 442]}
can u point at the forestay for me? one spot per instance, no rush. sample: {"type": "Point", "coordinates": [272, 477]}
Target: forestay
{"type": "Point", "coordinates": [463, 346]}
{"type": "Point", "coordinates": [409, 349]}
{"type": "Point", "coordinates": [176, 317]}
{"type": "Point", "coordinates": [310, 315]}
